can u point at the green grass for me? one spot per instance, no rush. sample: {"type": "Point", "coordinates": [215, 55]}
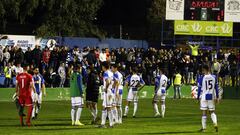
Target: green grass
{"type": "Point", "coordinates": [182, 117]}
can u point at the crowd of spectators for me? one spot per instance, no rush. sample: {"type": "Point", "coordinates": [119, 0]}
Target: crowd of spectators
{"type": "Point", "coordinates": [56, 64]}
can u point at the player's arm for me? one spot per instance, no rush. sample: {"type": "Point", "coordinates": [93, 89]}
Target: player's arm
{"type": "Point", "coordinates": [79, 82]}
{"type": "Point", "coordinates": [217, 90]}
{"type": "Point", "coordinates": [127, 82]}
{"type": "Point", "coordinates": [105, 78]}
{"type": "Point", "coordinates": [168, 84]}
{"type": "Point", "coordinates": [142, 84]}
{"type": "Point", "coordinates": [43, 86]}
{"type": "Point", "coordinates": [32, 87]}
{"type": "Point", "coordinates": [17, 88]}
{"type": "Point", "coordinates": [116, 86]}
{"type": "Point", "coordinates": [116, 82]}
{"type": "Point", "coordinates": [157, 85]}
{"type": "Point", "coordinates": [199, 87]}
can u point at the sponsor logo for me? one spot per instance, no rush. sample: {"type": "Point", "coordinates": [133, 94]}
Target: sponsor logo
{"type": "Point", "coordinates": [196, 27]}
{"type": "Point", "coordinates": [226, 28]}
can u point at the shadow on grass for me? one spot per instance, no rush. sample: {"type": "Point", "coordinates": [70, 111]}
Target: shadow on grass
{"type": "Point", "coordinates": [58, 128]}
{"type": "Point", "coordinates": [175, 132]}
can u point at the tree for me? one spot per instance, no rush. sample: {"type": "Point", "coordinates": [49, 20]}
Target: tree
{"type": "Point", "coordinates": [155, 15]}
{"type": "Point", "coordinates": [57, 17]}
{"type": "Point", "coordinates": [16, 10]}
{"type": "Point", "coordinates": [73, 18]}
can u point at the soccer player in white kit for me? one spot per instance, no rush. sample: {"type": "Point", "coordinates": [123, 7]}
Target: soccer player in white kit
{"type": "Point", "coordinates": [208, 96]}
{"type": "Point", "coordinates": [40, 89]}
{"type": "Point", "coordinates": [134, 83]}
{"type": "Point", "coordinates": [118, 91]}
{"type": "Point", "coordinates": [161, 86]}
{"type": "Point", "coordinates": [108, 95]}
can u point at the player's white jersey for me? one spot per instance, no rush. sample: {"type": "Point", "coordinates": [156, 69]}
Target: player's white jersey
{"type": "Point", "coordinates": [161, 82]}
{"type": "Point", "coordinates": [108, 76]}
{"type": "Point", "coordinates": [119, 77]}
{"type": "Point", "coordinates": [134, 81]}
{"type": "Point", "coordinates": [208, 87]}
{"type": "Point", "coordinates": [38, 82]}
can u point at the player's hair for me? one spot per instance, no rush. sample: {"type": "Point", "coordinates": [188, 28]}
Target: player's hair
{"type": "Point", "coordinates": [76, 67]}
{"type": "Point", "coordinates": [24, 66]}
{"type": "Point", "coordinates": [206, 67]}
{"type": "Point", "coordinates": [106, 65]}
{"type": "Point", "coordinates": [161, 70]}
{"type": "Point", "coordinates": [115, 66]}
{"type": "Point", "coordinates": [134, 70]}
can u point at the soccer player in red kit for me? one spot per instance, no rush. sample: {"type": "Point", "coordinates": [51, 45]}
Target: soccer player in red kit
{"type": "Point", "coordinates": [24, 88]}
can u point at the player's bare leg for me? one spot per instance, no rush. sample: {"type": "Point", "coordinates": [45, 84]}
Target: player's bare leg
{"type": "Point", "coordinates": [214, 120]}
{"type": "Point", "coordinates": [93, 109]}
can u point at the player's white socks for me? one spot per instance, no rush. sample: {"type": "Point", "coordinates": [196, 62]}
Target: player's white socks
{"type": "Point", "coordinates": [126, 111]}
{"type": "Point", "coordinates": [78, 115]}
{"type": "Point", "coordinates": [104, 116]}
{"type": "Point", "coordinates": [120, 114]}
{"type": "Point", "coordinates": [96, 111]}
{"type": "Point", "coordinates": [110, 116]}
{"type": "Point", "coordinates": [33, 111]}
{"type": "Point", "coordinates": [38, 108]}
{"type": "Point", "coordinates": [204, 122]}
{"type": "Point", "coordinates": [155, 105]}
{"type": "Point", "coordinates": [73, 111]}
{"type": "Point", "coordinates": [135, 108]}
{"type": "Point", "coordinates": [163, 110]}
{"type": "Point", "coordinates": [115, 114]}
{"type": "Point", "coordinates": [214, 118]}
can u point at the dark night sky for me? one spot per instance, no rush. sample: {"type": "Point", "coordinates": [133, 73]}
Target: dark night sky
{"type": "Point", "coordinates": [126, 12]}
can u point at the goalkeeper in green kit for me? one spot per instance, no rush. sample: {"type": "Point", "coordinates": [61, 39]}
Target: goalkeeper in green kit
{"type": "Point", "coordinates": [76, 92]}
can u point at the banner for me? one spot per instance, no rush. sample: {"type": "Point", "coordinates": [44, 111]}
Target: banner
{"type": "Point", "coordinates": [203, 28]}
{"type": "Point", "coordinates": [232, 11]}
{"type": "Point", "coordinates": [16, 40]}
{"type": "Point", "coordinates": [174, 9]}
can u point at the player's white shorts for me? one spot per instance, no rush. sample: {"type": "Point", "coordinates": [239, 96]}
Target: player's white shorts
{"type": "Point", "coordinates": [37, 97]}
{"type": "Point", "coordinates": [132, 95]}
{"type": "Point", "coordinates": [160, 95]}
{"type": "Point", "coordinates": [77, 101]}
{"type": "Point", "coordinates": [207, 105]}
{"type": "Point", "coordinates": [114, 102]}
{"type": "Point", "coordinates": [118, 100]}
{"type": "Point", "coordinates": [107, 99]}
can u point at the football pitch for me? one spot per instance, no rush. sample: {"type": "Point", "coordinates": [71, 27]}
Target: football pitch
{"type": "Point", "coordinates": [182, 117]}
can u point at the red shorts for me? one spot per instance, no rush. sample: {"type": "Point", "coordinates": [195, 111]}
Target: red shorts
{"type": "Point", "coordinates": [25, 101]}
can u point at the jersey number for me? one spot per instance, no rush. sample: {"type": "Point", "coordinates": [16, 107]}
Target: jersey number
{"type": "Point", "coordinates": [22, 83]}
{"type": "Point", "coordinates": [134, 83]}
{"type": "Point", "coordinates": [209, 84]}
{"type": "Point", "coordinates": [164, 83]}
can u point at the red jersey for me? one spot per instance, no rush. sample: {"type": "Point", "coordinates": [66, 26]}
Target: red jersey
{"type": "Point", "coordinates": [24, 80]}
